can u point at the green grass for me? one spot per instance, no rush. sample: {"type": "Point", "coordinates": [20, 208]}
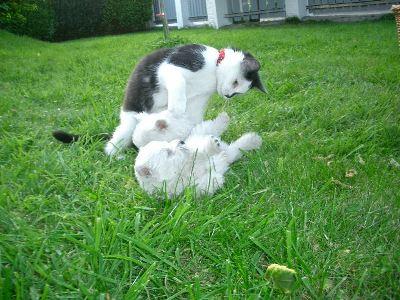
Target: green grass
{"type": "Point", "coordinates": [75, 224]}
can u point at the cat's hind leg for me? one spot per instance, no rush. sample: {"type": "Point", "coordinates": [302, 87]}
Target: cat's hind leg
{"type": "Point", "coordinates": [212, 127]}
{"type": "Point", "coordinates": [246, 142]}
{"type": "Point", "coordinates": [122, 136]}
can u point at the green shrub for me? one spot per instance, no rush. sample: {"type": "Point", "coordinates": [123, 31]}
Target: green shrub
{"type": "Point", "coordinates": [293, 20]}
{"type": "Point", "coordinates": [121, 16]}
{"type": "Point", "coordinates": [57, 20]}
{"type": "Point", "coordinates": [41, 22]}
{"type": "Point", "coordinates": [77, 18]}
{"type": "Point", "coordinates": [172, 41]}
{"type": "Point", "coordinates": [13, 15]}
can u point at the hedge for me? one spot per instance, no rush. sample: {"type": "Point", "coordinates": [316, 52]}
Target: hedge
{"type": "Point", "coordinates": [57, 20]}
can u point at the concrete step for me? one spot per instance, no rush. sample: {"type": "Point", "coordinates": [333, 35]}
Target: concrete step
{"type": "Point", "coordinates": [348, 16]}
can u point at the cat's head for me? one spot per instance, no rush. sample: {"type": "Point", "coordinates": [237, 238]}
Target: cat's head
{"type": "Point", "coordinates": [162, 126]}
{"type": "Point", "coordinates": [237, 73]}
{"type": "Point", "coordinates": [159, 161]}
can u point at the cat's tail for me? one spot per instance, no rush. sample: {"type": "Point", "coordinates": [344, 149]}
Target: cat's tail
{"type": "Point", "coordinates": [69, 138]}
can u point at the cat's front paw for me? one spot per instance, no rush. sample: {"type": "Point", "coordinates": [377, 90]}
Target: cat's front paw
{"type": "Point", "coordinates": [221, 123]}
{"type": "Point", "coordinates": [110, 149]}
{"type": "Point", "coordinates": [249, 141]}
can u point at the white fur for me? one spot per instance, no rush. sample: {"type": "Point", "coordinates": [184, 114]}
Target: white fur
{"type": "Point", "coordinates": [228, 72]}
{"type": "Point", "coordinates": [147, 129]}
{"type": "Point", "coordinates": [183, 91]}
{"type": "Point", "coordinates": [122, 136]}
{"type": "Point", "coordinates": [202, 161]}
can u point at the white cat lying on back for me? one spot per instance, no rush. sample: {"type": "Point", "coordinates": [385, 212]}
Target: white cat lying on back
{"type": "Point", "coordinates": [201, 160]}
{"type": "Point", "coordinates": [166, 126]}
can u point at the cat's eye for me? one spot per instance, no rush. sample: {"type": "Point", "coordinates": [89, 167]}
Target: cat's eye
{"type": "Point", "coordinates": [235, 83]}
{"type": "Point", "coordinates": [181, 143]}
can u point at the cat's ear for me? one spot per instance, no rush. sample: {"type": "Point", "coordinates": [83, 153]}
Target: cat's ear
{"type": "Point", "coordinates": [161, 124]}
{"type": "Point", "coordinates": [143, 171]}
{"type": "Point", "coordinates": [257, 83]}
{"type": "Point", "coordinates": [250, 65]}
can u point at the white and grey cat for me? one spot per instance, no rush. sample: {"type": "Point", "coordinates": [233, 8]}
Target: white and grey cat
{"type": "Point", "coordinates": [181, 80]}
{"type": "Point", "coordinates": [200, 161]}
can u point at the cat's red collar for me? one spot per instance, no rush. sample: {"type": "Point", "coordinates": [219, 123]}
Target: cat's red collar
{"type": "Point", "coordinates": [221, 56]}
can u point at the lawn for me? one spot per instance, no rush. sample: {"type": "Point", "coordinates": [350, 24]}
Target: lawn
{"type": "Point", "coordinates": [321, 196]}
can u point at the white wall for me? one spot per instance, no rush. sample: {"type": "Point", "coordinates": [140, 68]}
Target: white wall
{"type": "Point", "coordinates": [296, 8]}
{"type": "Point", "coordinates": [216, 10]}
{"type": "Point", "coordinates": [182, 13]}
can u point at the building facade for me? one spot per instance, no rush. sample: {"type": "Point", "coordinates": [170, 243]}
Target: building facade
{"type": "Point", "coordinates": [219, 13]}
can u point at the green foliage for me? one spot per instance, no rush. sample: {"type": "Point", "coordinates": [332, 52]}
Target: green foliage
{"type": "Point", "coordinates": [293, 20]}
{"type": "Point", "coordinates": [77, 18]}
{"type": "Point", "coordinates": [41, 23]}
{"type": "Point", "coordinates": [388, 17]}
{"type": "Point", "coordinates": [13, 14]}
{"type": "Point", "coordinates": [121, 16]}
{"type": "Point", "coordinates": [75, 224]}
{"type": "Point", "coordinates": [58, 20]}
{"type": "Point", "coordinates": [172, 41]}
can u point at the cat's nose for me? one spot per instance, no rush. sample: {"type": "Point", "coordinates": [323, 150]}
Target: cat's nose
{"type": "Point", "coordinates": [230, 96]}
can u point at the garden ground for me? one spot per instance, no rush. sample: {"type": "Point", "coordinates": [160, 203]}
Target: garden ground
{"type": "Point", "coordinates": [321, 196]}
